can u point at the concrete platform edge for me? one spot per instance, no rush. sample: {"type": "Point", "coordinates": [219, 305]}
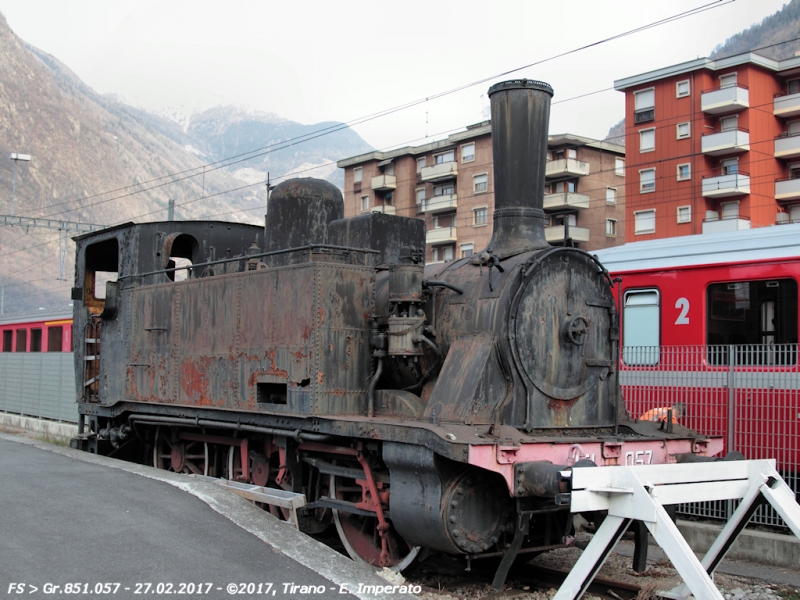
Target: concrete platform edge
{"type": "Point", "coordinates": [760, 547]}
{"type": "Point", "coordinates": [279, 535]}
{"type": "Point", "coordinates": [36, 425]}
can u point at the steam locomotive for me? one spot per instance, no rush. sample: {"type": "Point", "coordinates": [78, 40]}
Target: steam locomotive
{"type": "Point", "coordinates": [415, 407]}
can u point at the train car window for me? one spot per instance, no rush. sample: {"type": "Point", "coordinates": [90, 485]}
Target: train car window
{"type": "Point", "coordinates": [7, 335]}
{"type": "Point", "coordinates": [36, 340]}
{"type": "Point", "coordinates": [757, 315]}
{"type": "Point", "coordinates": [22, 341]}
{"type": "Point", "coordinates": [641, 327]}
{"type": "Point", "coordinates": [54, 338]}
{"type": "Point", "coordinates": [102, 266]}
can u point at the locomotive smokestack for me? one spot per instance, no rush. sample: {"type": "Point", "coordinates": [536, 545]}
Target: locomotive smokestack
{"type": "Point", "coordinates": [520, 117]}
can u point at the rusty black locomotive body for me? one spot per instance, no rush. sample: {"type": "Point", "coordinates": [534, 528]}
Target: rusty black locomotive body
{"type": "Point", "coordinates": [414, 407]}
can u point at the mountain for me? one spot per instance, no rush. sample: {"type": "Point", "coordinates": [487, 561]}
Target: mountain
{"type": "Point", "coordinates": [97, 159]}
{"type": "Point", "coordinates": [92, 159]}
{"type": "Point", "coordinates": [767, 38]}
{"type": "Point", "coordinates": [274, 143]}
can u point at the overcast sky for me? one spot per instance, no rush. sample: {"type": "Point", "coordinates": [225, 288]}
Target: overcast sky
{"type": "Point", "coordinates": [313, 61]}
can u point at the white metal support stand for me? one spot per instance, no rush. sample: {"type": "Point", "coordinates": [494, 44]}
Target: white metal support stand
{"type": "Point", "coordinates": [641, 492]}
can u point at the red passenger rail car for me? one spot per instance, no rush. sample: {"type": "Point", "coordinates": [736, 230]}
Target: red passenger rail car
{"type": "Point", "coordinates": [47, 330]}
{"type": "Point", "coordinates": [710, 329]}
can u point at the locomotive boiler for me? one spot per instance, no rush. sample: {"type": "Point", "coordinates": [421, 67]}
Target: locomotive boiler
{"type": "Point", "coordinates": [416, 407]}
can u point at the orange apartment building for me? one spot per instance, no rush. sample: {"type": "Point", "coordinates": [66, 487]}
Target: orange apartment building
{"type": "Point", "coordinates": [712, 145]}
{"type": "Point", "coordinates": [450, 184]}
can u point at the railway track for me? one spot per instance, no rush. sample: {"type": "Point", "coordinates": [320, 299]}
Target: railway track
{"type": "Point", "coordinates": [525, 580]}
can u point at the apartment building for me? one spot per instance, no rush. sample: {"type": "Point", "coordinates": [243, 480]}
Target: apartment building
{"type": "Point", "coordinates": [450, 184]}
{"type": "Point", "coordinates": [712, 145]}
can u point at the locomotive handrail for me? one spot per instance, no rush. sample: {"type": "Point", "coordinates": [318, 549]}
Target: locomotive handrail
{"type": "Point", "coordinates": [246, 257]}
{"type": "Point", "coordinates": [437, 283]}
{"type": "Point", "coordinates": [296, 434]}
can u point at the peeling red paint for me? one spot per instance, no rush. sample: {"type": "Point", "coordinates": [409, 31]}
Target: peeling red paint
{"type": "Point", "coordinates": [194, 380]}
{"type": "Point", "coordinates": [320, 377]}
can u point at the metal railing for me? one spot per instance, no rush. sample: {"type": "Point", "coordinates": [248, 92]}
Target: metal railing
{"type": "Point", "coordinates": [39, 384]}
{"type": "Point", "coordinates": [749, 394]}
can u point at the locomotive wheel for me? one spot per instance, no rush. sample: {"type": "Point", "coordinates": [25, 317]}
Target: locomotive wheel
{"type": "Point", "coordinates": [179, 456]}
{"type": "Point", "coordinates": [360, 536]}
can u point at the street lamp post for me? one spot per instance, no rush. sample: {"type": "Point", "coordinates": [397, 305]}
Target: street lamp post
{"type": "Point", "coordinates": [16, 158]}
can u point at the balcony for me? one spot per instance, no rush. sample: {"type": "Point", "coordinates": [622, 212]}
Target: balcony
{"type": "Point", "coordinates": [439, 172]}
{"type": "Point", "coordinates": [566, 200]}
{"type": "Point", "coordinates": [725, 100]}
{"type": "Point", "coordinates": [566, 167]}
{"type": "Point", "coordinates": [786, 105]}
{"type": "Point", "coordinates": [726, 142]}
{"type": "Point", "coordinates": [384, 183]}
{"type": "Point", "coordinates": [787, 189]}
{"type": "Point", "coordinates": [438, 204]}
{"type": "Point", "coordinates": [386, 209]}
{"type": "Point", "coordinates": [555, 234]}
{"type": "Point", "coordinates": [787, 146]}
{"type": "Point", "coordinates": [441, 235]}
{"type": "Point", "coordinates": [722, 225]}
{"type": "Point", "coordinates": [732, 184]}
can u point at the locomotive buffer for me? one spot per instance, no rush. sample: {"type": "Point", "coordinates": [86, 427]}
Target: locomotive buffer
{"type": "Point", "coordinates": [641, 492]}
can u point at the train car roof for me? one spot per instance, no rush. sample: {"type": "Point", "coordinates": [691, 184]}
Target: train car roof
{"type": "Point", "coordinates": [33, 316]}
{"type": "Point", "coordinates": [750, 245]}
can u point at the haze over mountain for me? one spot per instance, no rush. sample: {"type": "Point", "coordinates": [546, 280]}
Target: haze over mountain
{"type": "Point", "coordinates": [98, 160]}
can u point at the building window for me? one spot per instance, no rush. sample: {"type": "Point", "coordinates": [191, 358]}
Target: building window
{"type": "Point", "coordinates": [619, 166]}
{"type": "Point", "coordinates": [467, 250]}
{"type": "Point", "coordinates": [647, 180]}
{"type": "Point", "coordinates": [467, 153]}
{"type": "Point", "coordinates": [644, 105]}
{"type": "Point", "coordinates": [364, 203]}
{"type": "Point", "coordinates": [357, 175]}
{"type": "Point", "coordinates": [436, 223]}
{"type": "Point", "coordinates": [793, 86]}
{"type": "Point", "coordinates": [682, 88]}
{"type": "Point", "coordinates": [611, 195]}
{"type": "Point", "coordinates": [611, 227]}
{"type": "Point", "coordinates": [728, 80]}
{"type": "Point", "coordinates": [730, 166]}
{"type": "Point", "coordinates": [444, 157]}
{"type": "Point", "coordinates": [729, 123]}
{"type": "Point", "coordinates": [480, 183]}
{"type": "Point", "coordinates": [480, 216]}
{"type": "Point", "coordinates": [730, 210]}
{"type": "Point", "coordinates": [446, 189]}
{"type": "Point", "coordinates": [443, 253]}
{"type": "Point", "coordinates": [644, 221]}
{"type": "Point", "coordinates": [683, 130]}
{"type": "Point", "coordinates": [684, 214]}
{"type": "Point", "coordinates": [684, 172]}
{"type": "Point", "coordinates": [566, 186]}
{"type": "Point", "coordinates": [420, 196]}
{"type": "Point", "coordinates": [647, 140]}
{"type": "Point", "coordinates": [420, 164]}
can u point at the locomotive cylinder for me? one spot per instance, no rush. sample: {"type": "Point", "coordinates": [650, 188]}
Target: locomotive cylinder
{"type": "Point", "coordinates": [520, 116]}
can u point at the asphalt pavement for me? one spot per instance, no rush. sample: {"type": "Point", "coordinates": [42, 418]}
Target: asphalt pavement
{"type": "Point", "coordinates": [78, 525]}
